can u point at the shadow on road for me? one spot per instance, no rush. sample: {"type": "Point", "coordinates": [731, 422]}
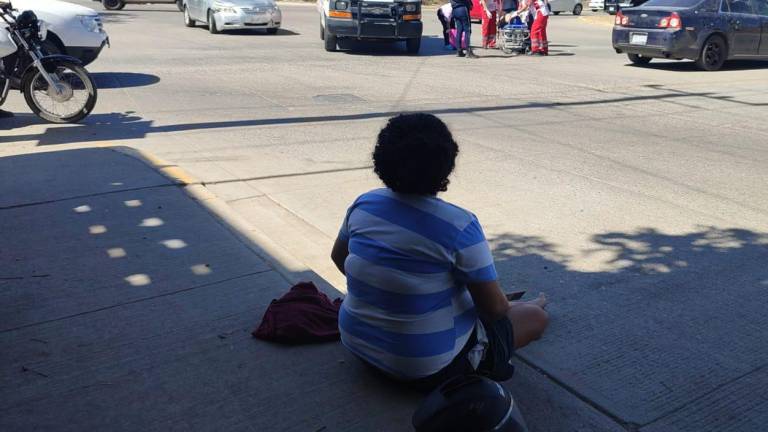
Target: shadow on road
{"type": "Point", "coordinates": [119, 126]}
{"type": "Point", "coordinates": [431, 46]}
{"type": "Point", "coordinates": [115, 80]}
{"type": "Point", "coordinates": [690, 66]}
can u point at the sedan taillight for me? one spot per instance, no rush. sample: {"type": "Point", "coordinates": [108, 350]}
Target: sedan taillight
{"type": "Point", "coordinates": [672, 21]}
{"type": "Point", "coordinates": [621, 19]}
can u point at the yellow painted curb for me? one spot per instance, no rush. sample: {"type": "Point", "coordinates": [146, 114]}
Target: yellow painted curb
{"type": "Point", "coordinates": [173, 172]}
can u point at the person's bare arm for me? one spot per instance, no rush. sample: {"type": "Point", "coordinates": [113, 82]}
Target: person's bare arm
{"type": "Point", "coordinates": [339, 253]}
{"type": "Point", "coordinates": [489, 299]}
{"type": "Point", "coordinates": [485, 8]}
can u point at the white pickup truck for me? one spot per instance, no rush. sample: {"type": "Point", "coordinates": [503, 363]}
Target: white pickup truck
{"type": "Point", "coordinates": [72, 29]}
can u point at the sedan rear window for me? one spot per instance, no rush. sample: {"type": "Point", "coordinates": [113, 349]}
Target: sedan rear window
{"type": "Point", "coordinates": [672, 3]}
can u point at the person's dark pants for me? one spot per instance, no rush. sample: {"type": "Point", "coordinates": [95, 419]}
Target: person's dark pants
{"type": "Point", "coordinates": [463, 30]}
{"type": "Point", "coordinates": [447, 25]}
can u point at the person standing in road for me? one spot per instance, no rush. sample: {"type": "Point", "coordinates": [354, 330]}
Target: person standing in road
{"type": "Point", "coordinates": [489, 23]}
{"type": "Point", "coordinates": [463, 31]}
{"type": "Point", "coordinates": [539, 9]}
{"type": "Point", "coordinates": [445, 15]}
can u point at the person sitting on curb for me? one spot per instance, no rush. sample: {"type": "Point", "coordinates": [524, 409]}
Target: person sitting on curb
{"type": "Point", "coordinates": [424, 303]}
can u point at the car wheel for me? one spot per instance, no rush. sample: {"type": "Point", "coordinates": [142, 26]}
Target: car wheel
{"type": "Point", "coordinates": [113, 4]}
{"type": "Point", "coordinates": [322, 31]}
{"type": "Point", "coordinates": [413, 45]}
{"type": "Point", "coordinates": [577, 9]}
{"type": "Point", "coordinates": [556, 13]}
{"type": "Point", "coordinates": [330, 42]}
{"type": "Point", "coordinates": [188, 21]}
{"type": "Point", "coordinates": [639, 60]}
{"type": "Point", "coordinates": [212, 24]}
{"type": "Point", "coordinates": [713, 54]}
{"type": "Point", "coordinates": [594, 10]}
{"type": "Point", "coordinates": [272, 30]}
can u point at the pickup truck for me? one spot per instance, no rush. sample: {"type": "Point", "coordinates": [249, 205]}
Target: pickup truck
{"type": "Point", "coordinates": [384, 20]}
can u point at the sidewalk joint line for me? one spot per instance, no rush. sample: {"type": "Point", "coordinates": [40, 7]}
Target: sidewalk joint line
{"type": "Point", "coordinates": [276, 176]}
{"type": "Point", "coordinates": [629, 426]}
{"type": "Point", "coordinates": [702, 396]}
{"type": "Point", "coordinates": [168, 294]}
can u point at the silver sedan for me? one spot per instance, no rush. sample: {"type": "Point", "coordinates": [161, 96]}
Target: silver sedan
{"type": "Point", "coordinates": [222, 15]}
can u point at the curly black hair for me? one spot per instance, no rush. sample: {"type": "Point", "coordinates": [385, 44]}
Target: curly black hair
{"type": "Point", "coordinates": [415, 154]}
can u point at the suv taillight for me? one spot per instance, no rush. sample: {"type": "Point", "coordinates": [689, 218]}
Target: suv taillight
{"type": "Point", "coordinates": [621, 19]}
{"type": "Point", "coordinates": [672, 21]}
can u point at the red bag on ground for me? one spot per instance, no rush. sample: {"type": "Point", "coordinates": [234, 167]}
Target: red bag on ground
{"type": "Point", "coordinates": [303, 315]}
{"type": "Point", "coordinates": [452, 39]}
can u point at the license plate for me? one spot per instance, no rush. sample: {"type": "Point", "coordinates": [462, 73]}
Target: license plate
{"type": "Point", "coordinates": [257, 18]}
{"type": "Point", "coordinates": [638, 38]}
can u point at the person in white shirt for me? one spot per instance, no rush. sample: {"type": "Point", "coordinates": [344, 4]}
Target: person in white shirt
{"type": "Point", "coordinates": [445, 15]}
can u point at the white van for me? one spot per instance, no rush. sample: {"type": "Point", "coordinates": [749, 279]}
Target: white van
{"type": "Point", "coordinates": [72, 29]}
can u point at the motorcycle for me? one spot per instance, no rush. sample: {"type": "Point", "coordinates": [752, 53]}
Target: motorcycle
{"type": "Point", "coordinates": [57, 88]}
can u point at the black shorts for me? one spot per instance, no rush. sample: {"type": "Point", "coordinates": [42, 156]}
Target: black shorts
{"type": "Point", "coordinates": [496, 364]}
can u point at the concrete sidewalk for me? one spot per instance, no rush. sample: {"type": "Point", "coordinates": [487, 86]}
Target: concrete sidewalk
{"type": "Point", "coordinates": [126, 303]}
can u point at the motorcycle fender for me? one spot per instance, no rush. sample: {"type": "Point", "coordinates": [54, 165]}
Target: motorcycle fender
{"type": "Point", "coordinates": [49, 61]}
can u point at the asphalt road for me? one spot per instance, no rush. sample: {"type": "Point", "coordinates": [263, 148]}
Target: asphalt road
{"type": "Point", "coordinates": [635, 197]}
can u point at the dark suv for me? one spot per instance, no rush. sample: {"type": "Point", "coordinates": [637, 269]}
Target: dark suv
{"type": "Point", "coordinates": [706, 31]}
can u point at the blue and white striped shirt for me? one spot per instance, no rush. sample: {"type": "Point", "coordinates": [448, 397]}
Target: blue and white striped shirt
{"type": "Point", "coordinates": [408, 310]}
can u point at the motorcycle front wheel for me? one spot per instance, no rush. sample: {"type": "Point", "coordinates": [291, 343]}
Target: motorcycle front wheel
{"type": "Point", "coordinates": [70, 100]}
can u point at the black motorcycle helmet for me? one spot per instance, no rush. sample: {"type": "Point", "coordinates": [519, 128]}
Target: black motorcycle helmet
{"type": "Point", "coordinates": [469, 403]}
{"type": "Point", "coordinates": [27, 20]}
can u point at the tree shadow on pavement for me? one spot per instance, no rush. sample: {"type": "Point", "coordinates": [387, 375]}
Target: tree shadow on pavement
{"type": "Point", "coordinates": [665, 321]}
{"type": "Point", "coordinates": [117, 286]}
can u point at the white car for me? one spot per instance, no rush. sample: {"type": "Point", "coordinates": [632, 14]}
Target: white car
{"type": "Point", "coordinates": [597, 5]}
{"type": "Point", "coordinates": [573, 6]}
{"type": "Point", "coordinates": [221, 15]}
{"type": "Point", "coordinates": [72, 29]}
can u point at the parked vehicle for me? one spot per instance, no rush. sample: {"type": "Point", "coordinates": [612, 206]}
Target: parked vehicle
{"type": "Point", "coordinates": [596, 5]}
{"type": "Point", "coordinates": [706, 31]}
{"type": "Point", "coordinates": [56, 87]}
{"type": "Point", "coordinates": [386, 20]}
{"type": "Point", "coordinates": [120, 4]}
{"type": "Point", "coordinates": [223, 15]}
{"type": "Point", "coordinates": [73, 29]}
{"type": "Point", "coordinates": [573, 6]}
